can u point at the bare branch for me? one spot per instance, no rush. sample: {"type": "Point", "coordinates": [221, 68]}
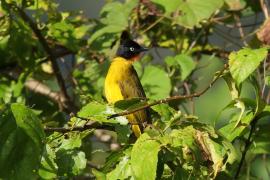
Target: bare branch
{"type": "Point", "coordinates": [264, 9]}
{"type": "Point", "coordinates": [40, 88]}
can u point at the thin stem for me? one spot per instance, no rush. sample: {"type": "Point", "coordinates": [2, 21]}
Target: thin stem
{"type": "Point", "coordinates": [247, 145]}
{"type": "Point", "coordinates": [152, 25]}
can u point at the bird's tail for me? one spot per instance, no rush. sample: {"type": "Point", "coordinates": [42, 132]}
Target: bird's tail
{"type": "Point", "coordinates": [136, 130]}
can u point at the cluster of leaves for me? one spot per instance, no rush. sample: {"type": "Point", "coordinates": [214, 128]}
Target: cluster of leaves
{"type": "Point", "coordinates": [38, 138]}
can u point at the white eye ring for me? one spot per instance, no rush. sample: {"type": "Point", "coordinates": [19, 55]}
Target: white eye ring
{"type": "Point", "coordinates": [131, 48]}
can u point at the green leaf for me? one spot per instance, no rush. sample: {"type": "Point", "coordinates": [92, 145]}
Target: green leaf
{"type": "Point", "coordinates": [70, 162]}
{"type": "Point", "coordinates": [190, 12]}
{"type": "Point", "coordinates": [156, 82]}
{"type": "Point", "coordinates": [169, 7]}
{"type": "Point", "coordinates": [215, 150]}
{"type": "Point", "coordinates": [261, 143]}
{"type": "Point", "coordinates": [64, 32]}
{"type": "Point", "coordinates": [244, 62]}
{"type": "Point", "coordinates": [48, 169]}
{"type": "Point", "coordinates": [187, 65]}
{"type": "Point", "coordinates": [122, 170]}
{"type": "Point", "coordinates": [115, 17]}
{"type": "Point", "coordinates": [62, 156]}
{"type": "Point", "coordinates": [97, 111]}
{"type": "Point", "coordinates": [22, 142]}
{"type": "Point", "coordinates": [129, 104]}
{"type": "Point", "coordinates": [144, 157]}
{"type": "Point", "coordinates": [165, 111]}
{"type": "Point", "coordinates": [183, 61]}
{"type": "Point", "coordinates": [235, 5]}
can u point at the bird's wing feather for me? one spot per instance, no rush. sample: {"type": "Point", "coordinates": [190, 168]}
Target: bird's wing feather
{"type": "Point", "coordinates": [131, 87]}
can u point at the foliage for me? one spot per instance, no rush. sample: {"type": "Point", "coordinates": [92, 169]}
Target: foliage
{"type": "Point", "coordinates": [56, 124]}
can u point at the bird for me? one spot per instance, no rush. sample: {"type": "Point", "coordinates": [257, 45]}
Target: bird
{"type": "Point", "coordinates": [122, 81]}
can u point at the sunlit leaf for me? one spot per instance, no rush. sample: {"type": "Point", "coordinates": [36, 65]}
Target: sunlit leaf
{"type": "Point", "coordinates": [145, 154]}
{"type": "Point", "coordinates": [244, 62]}
{"type": "Point", "coordinates": [191, 12]}
{"type": "Point", "coordinates": [97, 111]}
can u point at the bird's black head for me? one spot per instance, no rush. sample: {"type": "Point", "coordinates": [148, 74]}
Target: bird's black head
{"type": "Point", "coordinates": [128, 49]}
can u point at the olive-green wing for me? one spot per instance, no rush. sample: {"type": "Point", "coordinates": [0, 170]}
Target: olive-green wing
{"type": "Point", "coordinates": [131, 87]}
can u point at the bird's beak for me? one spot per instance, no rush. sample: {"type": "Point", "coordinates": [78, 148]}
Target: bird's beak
{"type": "Point", "coordinates": [143, 49]}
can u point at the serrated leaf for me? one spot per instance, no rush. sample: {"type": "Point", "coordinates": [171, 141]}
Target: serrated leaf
{"type": "Point", "coordinates": [156, 82]}
{"type": "Point", "coordinates": [244, 62]}
{"type": "Point", "coordinates": [145, 154]}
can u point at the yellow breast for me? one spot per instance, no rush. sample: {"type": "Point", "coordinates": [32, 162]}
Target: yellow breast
{"type": "Point", "coordinates": [118, 71]}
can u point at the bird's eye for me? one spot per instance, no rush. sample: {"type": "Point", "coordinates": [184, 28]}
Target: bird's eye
{"type": "Point", "coordinates": [131, 48]}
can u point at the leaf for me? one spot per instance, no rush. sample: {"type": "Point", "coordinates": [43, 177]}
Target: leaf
{"type": "Point", "coordinates": [234, 89]}
{"type": "Point", "coordinates": [129, 104]}
{"type": "Point", "coordinates": [144, 157]}
{"type": "Point", "coordinates": [214, 150]}
{"type": "Point", "coordinates": [115, 17]}
{"type": "Point", "coordinates": [244, 62]}
{"type": "Point", "coordinates": [97, 111]}
{"type": "Point", "coordinates": [165, 111]}
{"type": "Point", "coordinates": [122, 170]}
{"type": "Point", "coordinates": [64, 32]}
{"type": "Point", "coordinates": [22, 142]}
{"type": "Point", "coordinates": [231, 131]}
{"type": "Point", "coordinates": [48, 168]}
{"type": "Point", "coordinates": [190, 12]}
{"type": "Point", "coordinates": [236, 5]}
{"type": "Point", "coordinates": [70, 162]}
{"type": "Point", "coordinates": [186, 63]}
{"type": "Point", "coordinates": [156, 82]}
{"type": "Point", "coordinates": [62, 156]}
{"type": "Point", "coordinates": [169, 7]}
{"type": "Point", "coordinates": [261, 143]}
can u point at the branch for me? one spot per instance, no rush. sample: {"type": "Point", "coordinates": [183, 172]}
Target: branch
{"type": "Point", "coordinates": [173, 98]}
{"type": "Point", "coordinates": [264, 9]}
{"type": "Point", "coordinates": [69, 105]}
{"type": "Point", "coordinates": [247, 145]}
{"type": "Point", "coordinates": [90, 125]}
{"type": "Point", "coordinates": [40, 88]}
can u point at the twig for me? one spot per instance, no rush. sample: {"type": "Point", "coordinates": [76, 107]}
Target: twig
{"type": "Point", "coordinates": [247, 145]}
{"type": "Point", "coordinates": [264, 9]}
{"type": "Point", "coordinates": [173, 98]}
{"type": "Point", "coordinates": [153, 24]}
{"type": "Point", "coordinates": [264, 77]}
{"type": "Point", "coordinates": [239, 26]}
{"type": "Point", "coordinates": [69, 105]}
{"type": "Point", "coordinates": [40, 88]}
{"type": "Point", "coordinates": [91, 125]}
